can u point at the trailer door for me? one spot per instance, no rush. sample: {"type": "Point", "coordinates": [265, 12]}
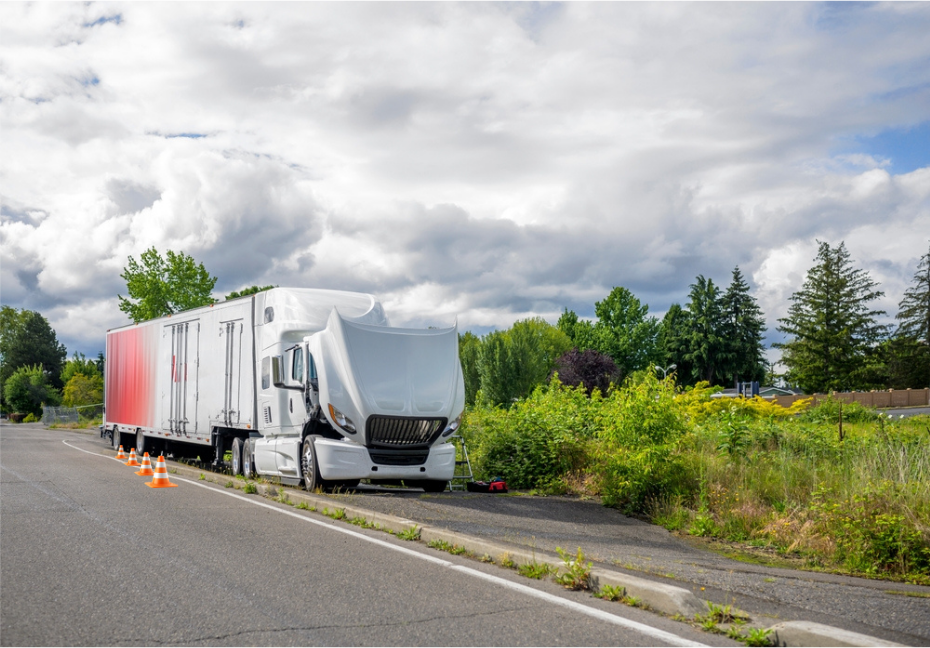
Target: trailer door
{"type": "Point", "coordinates": [179, 400]}
{"type": "Point", "coordinates": [232, 388]}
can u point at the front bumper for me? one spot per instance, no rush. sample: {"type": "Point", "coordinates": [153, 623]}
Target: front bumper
{"type": "Point", "coordinates": [345, 460]}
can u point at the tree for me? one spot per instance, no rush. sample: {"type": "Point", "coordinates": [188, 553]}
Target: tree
{"type": "Point", "coordinates": [742, 328]}
{"type": "Point", "coordinates": [469, 347]}
{"type": "Point", "coordinates": [705, 345]}
{"type": "Point", "coordinates": [27, 339]}
{"type": "Point", "coordinates": [83, 390]}
{"type": "Point", "coordinates": [28, 388]}
{"type": "Point", "coordinates": [162, 286]}
{"type": "Point", "coordinates": [831, 324]}
{"type": "Point", "coordinates": [625, 331]}
{"type": "Point", "coordinates": [593, 369]}
{"type": "Point", "coordinates": [567, 321]}
{"type": "Point", "coordinates": [914, 309]}
{"type": "Point", "coordinates": [496, 369]}
{"type": "Point", "coordinates": [535, 347]}
{"type": "Point", "coordinates": [79, 364]}
{"type": "Point", "coordinates": [672, 343]}
{"type": "Point", "coordinates": [251, 290]}
{"type": "Point", "coordinates": [510, 364]}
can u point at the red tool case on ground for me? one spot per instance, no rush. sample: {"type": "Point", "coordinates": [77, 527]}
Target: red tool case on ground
{"type": "Point", "coordinates": [496, 486]}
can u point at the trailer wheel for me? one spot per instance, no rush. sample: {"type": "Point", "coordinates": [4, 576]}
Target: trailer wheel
{"type": "Point", "coordinates": [115, 438]}
{"type": "Point", "coordinates": [247, 468]}
{"type": "Point", "coordinates": [237, 456]}
{"type": "Point", "coordinates": [309, 467]}
{"type": "Point", "coordinates": [140, 443]}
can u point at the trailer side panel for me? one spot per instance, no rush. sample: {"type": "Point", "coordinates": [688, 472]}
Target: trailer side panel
{"type": "Point", "coordinates": [131, 378]}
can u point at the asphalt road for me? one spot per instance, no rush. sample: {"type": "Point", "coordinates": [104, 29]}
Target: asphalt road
{"type": "Point", "coordinates": [906, 411]}
{"type": "Point", "coordinates": [897, 612]}
{"type": "Point", "coordinates": [89, 555]}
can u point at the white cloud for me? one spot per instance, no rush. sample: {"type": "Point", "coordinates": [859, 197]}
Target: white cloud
{"type": "Point", "coordinates": [483, 161]}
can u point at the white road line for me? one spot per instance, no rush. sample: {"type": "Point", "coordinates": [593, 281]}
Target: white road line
{"type": "Point", "coordinates": [649, 631]}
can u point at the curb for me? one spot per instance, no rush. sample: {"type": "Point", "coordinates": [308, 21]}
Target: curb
{"type": "Point", "coordinates": [667, 599]}
{"type": "Point", "coordinates": [808, 633]}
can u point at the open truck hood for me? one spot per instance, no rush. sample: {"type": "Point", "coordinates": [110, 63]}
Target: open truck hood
{"type": "Point", "coordinates": [397, 372]}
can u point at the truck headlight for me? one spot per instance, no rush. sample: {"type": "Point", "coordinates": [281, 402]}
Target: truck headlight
{"type": "Point", "coordinates": [452, 427]}
{"type": "Point", "coordinates": [342, 420]}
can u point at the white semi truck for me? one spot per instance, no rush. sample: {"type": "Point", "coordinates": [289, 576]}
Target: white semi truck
{"type": "Point", "coordinates": [298, 384]}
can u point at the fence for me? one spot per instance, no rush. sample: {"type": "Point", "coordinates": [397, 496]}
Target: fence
{"type": "Point", "coordinates": [60, 415]}
{"type": "Point", "coordinates": [881, 399]}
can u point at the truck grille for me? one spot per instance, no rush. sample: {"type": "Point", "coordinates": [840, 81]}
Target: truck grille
{"type": "Point", "coordinates": [398, 432]}
{"type": "Point", "coordinates": [387, 458]}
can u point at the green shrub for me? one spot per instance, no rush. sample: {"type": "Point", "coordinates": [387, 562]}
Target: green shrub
{"type": "Point", "coordinates": [27, 389]}
{"type": "Point", "coordinates": [535, 442]}
{"type": "Point", "coordinates": [828, 411]}
{"type": "Point", "coordinates": [641, 426]}
{"type": "Point", "coordinates": [32, 418]}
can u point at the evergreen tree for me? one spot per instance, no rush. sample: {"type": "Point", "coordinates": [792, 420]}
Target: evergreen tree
{"type": "Point", "coordinates": [909, 355]}
{"type": "Point", "coordinates": [831, 325]}
{"type": "Point", "coordinates": [742, 328]}
{"type": "Point", "coordinates": [914, 309]}
{"type": "Point", "coordinates": [672, 343]}
{"type": "Point", "coordinates": [705, 346]}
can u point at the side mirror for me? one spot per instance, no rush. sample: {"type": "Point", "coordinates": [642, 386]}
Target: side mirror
{"type": "Point", "coordinates": [277, 374]}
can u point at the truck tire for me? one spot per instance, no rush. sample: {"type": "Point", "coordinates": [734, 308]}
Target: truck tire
{"type": "Point", "coordinates": [115, 438]}
{"type": "Point", "coordinates": [140, 443]}
{"type": "Point", "coordinates": [236, 462]}
{"type": "Point", "coordinates": [248, 469]}
{"type": "Point", "coordinates": [308, 466]}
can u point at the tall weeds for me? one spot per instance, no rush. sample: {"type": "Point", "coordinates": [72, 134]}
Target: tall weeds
{"type": "Point", "coordinates": [743, 470]}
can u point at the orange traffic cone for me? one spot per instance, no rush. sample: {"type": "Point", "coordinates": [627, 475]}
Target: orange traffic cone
{"type": "Point", "coordinates": [121, 454]}
{"type": "Point", "coordinates": [132, 459]}
{"type": "Point", "coordinates": [160, 479]}
{"type": "Point", "coordinates": [146, 470]}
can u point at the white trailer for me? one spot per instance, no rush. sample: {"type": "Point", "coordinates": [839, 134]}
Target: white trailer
{"type": "Point", "coordinates": [299, 384]}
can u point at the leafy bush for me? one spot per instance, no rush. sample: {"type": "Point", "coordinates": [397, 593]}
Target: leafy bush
{"type": "Point", "coordinates": [28, 388]}
{"type": "Point", "coordinates": [535, 442]}
{"type": "Point", "coordinates": [699, 406]}
{"type": "Point", "coordinates": [32, 418]}
{"type": "Point", "coordinates": [871, 534]}
{"type": "Point", "coordinates": [591, 369]}
{"type": "Point", "coordinates": [640, 428]}
{"type": "Point", "coordinates": [828, 411]}
{"type": "Point", "coordinates": [83, 390]}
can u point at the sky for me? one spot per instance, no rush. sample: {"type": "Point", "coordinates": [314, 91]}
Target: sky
{"type": "Point", "coordinates": [477, 162]}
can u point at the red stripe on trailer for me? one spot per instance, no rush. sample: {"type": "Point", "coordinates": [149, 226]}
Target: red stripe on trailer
{"type": "Point", "coordinates": [130, 376]}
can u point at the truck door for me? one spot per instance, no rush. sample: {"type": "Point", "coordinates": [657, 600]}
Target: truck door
{"type": "Point", "coordinates": [232, 385]}
{"type": "Point", "coordinates": [179, 400]}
